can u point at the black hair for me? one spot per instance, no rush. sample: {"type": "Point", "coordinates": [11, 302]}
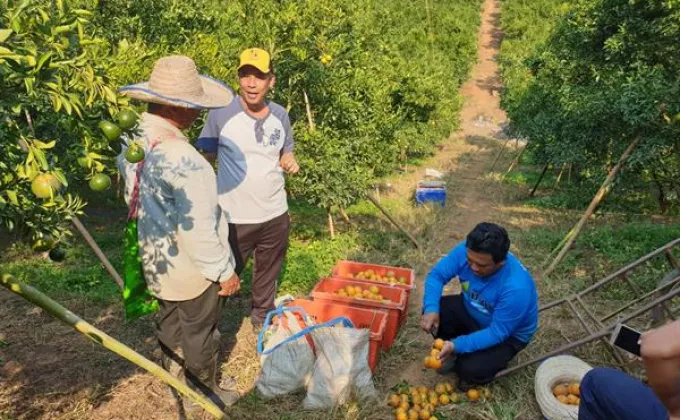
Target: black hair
{"type": "Point", "coordinates": [489, 238]}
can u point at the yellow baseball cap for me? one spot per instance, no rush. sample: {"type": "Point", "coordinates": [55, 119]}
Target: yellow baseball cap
{"type": "Point", "coordinates": [256, 57]}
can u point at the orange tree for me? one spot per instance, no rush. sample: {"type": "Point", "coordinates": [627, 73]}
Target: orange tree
{"type": "Point", "coordinates": [382, 80]}
{"type": "Point", "coordinates": [54, 93]}
{"type": "Point", "coordinates": [608, 73]}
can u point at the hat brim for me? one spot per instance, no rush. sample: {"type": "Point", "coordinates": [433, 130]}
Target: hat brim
{"type": "Point", "coordinates": [215, 95]}
{"type": "Point", "coordinates": [263, 69]}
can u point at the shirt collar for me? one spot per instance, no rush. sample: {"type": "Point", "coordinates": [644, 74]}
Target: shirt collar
{"type": "Point", "coordinates": [155, 126]}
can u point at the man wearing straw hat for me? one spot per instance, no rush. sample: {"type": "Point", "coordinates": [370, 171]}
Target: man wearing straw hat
{"type": "Point", "coordinates": [188, 265]}
{"type": "Point", "coordinates": [253, 141]}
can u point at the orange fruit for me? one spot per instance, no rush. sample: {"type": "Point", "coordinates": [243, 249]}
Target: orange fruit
{"type": "Point", "coordinates": [374, 290]}
{"type": "Point", "coordinates": [400, 415]}
{"type": "Point", "coordinates": [560, 390]}
{"type": "Point", "coordinates": [444, 399]}
{"type": "Point", "coordinates": [455, 398]}
{"type": "Point", "coordinates": [412, 415]}
{"type": "Point", "coordinates": [424, 415]}
{"type": "Point", "coordinates": [404, 398]}
{"type": "Point", "coordinates": [440, 388]}
{"type": "Point", "coordinates": [434, 400]}
{"type": "Point", "coordinates": [436, 363]}
{"type": "Point", "coordinates": [422, 389]}
{"type": "Point", "coordinates": [404, 405]}
{"type": "Point", "coordinates": [575, 389]}
{"type": "Point", "coordinates": [393, 400]}
{"type": "Point", "coordinates": [438, 344]}
{"type": "Point", "coordinates": [449, 387]}
{"type": "Point", "coordinates": [572, 399]}
{"type": "Point", "coordinates": [562, 398]}
{"type": "Point", "coordinates": [417, 398]}
{"type": "Point", "coordinates": [434, 353]}
{"type": "Point", "coordinates": [429, 407]}
{"type": "Point", "coordinates": [473, 394]}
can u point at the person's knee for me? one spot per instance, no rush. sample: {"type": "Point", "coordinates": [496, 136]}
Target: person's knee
{"type": "Point", "coordinates": [475, 372]}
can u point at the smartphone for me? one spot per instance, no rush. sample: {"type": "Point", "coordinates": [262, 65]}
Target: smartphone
{"type": "Point", "coordinates": [626, 338]}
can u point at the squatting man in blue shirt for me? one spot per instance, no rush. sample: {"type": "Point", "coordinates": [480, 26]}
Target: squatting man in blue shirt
{"type": "Point", "coordinates": [493, 318]}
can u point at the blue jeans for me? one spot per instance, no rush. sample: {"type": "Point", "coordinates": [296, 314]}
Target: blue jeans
{"type": "Point", "coordinates": [608, 394]}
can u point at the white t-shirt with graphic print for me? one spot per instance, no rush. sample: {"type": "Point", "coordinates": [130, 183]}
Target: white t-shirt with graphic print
{"type": "Point", "coordinates": [250, 181]}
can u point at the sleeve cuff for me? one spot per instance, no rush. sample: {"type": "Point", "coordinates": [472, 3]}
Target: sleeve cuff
{"type": "Point", "coordinates": [431, 308]}
{"type": "Point", "coordinates": [459, 345]}
{"type": "Point", "coordinates": [207, 144]}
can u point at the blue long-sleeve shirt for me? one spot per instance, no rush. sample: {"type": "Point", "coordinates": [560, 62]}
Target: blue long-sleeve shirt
{"type": "Point", "coordinates": [504, 304]}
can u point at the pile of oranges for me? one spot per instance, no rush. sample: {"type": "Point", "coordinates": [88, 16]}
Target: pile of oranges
{"type": "Point", "coordinates": [389, 277]}
{"type": "Point", "coordinates": [420, 402]}
{"type": "Point", "coordinates": [357, 292]}
{"type": "Point", "coordinates": [568, 393]}
{"type": "Point", "coordinates": [432, 361]}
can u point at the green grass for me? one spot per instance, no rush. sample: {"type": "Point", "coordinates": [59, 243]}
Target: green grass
{"type": "Point", "coordinates": [601, 249]}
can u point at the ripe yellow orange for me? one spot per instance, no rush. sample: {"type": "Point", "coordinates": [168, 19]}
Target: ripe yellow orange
{"type": "Point", "coordinates": [440, 388]}
{"type": "Point", "coordinates": [417, 399]}
{"type": "Point", "coordinates": [374, 290]}
{"type": "Point", "coordinates": [412, 415]}
{"type": "Point", "coordinates": [404, 398]}
{"type": "Point", "coordinates": [436, 363]}
{"type": "Point", "coordinates": [434, 353]}
{"type": "Point", "coordinates": [449, 387]}
{"type": "Point", "coordinates": [404, 405]}
{"type": "Point", "coordinates": [560, 390]}
{"type": "Point", "coordinates": [424, 415]}
{"type": "Point", "coordinates": [393, 400]}
{"type": "Point", "coordinates": [572, 399]}
{"type": "Point", "coordinates": [575, 389]}
{"type": "Point", "coordinates": [562, 398]}
{"type": "Point", "coordinates": [438, 344]}
{"type": "Point", "coordinates": [444, 399]}
{"type": "Point", "coordinates": [400, 415]}
{"type": "Point", "coordinates": [434, 400]}
{"type": "Point", "coordinates": [422, 389]}
{"type": "Point", "coordinates": [473, 394]}
{"type": "Point", "coordinates": [455, 398]}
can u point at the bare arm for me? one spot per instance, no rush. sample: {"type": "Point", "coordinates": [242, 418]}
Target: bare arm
{"type": "Point", "coordinates": [660, 350]}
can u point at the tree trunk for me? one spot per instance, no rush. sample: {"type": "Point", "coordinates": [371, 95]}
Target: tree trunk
{"type": "Point", "coordinates": [540, 178]}
{"type": "Point", "coordinates": [593, 205]}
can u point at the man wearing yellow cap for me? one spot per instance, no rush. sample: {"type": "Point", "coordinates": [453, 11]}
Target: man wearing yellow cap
{"type": "Point", "coordinates": [252, 139]}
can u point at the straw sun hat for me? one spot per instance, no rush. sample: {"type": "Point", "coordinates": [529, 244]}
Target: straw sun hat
{"type": "Point", "coordinates": [175, 81]}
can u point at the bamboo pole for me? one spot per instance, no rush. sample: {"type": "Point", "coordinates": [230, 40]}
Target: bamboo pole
{"type": "Point", "coordinates": [515, 161]}
{"type": "Point", "coordinates": [308, 108]}
{"type": "Point", "coordinates": [38, 298]}
{"type": "Point", "coordinates": [391, 219]}
{"type": "Point", "coordinates": [345, 216]}
{"type": "Point", "coordinates": [98, 252]}
{"type": "Point", "coordinates": [601, 193]}
{"type": "Point", "coordinates": [500, 152]}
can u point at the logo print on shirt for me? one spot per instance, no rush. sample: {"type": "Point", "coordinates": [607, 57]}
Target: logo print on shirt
{"type": "Point", "coordinates": [274, 137]}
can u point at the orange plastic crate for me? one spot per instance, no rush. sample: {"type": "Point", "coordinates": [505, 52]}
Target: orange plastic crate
{"type": "Point", "coordinates": [344, 268]}
{"type": "Point", "coordinates": [373, 319]}
{"type": "Point", "coordinates": [396, 307]}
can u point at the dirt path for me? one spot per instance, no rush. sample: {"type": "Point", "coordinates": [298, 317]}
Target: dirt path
{"type": "Point", "coordinates": [466, 157]}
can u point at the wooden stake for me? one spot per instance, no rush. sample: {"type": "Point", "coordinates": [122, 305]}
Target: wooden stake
{"type": "Point", "coordinates": [310, 119]}
{"type": "Point", "coordinates": [331, 225]}
{"type": "Point", "coordinates": [559, 177]}
{"type": "Point", "coordinates": [391, 219]}
{"type": "Point", "coordinates": [67, 317]}
{"type": "Point", "coordinates": [601, 193]}
{"type": "Point", "coordinates": [540, 178]}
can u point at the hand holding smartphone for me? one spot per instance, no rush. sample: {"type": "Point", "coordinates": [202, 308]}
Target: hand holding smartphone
{"type": "Point", "coordinates": [626, 338]}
